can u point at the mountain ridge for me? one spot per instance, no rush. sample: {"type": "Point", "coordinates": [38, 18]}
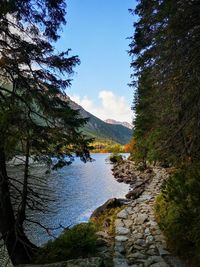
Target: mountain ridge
{"type": "Point", "coordinates": [100, 129]}
{"type": "Point", "coordinates": [123, 123]}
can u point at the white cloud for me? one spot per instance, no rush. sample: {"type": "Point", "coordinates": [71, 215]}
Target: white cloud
{"type": "Point", "coordinates": [111, 106]}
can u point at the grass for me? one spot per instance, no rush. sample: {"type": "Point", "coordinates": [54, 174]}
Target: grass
{"type": "Point", "coordinates": [107, 220]}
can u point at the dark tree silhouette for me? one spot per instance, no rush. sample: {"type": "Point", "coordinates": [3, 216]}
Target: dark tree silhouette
{"type": "Point", "coordinates": [35, 117]}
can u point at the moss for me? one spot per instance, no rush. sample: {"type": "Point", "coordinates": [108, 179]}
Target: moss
{"type": "Point", "coordinates": [79, 241]}
{"type": "Point", "coordinates": [107, 220]}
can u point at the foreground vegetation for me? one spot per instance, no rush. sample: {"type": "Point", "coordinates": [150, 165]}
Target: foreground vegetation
{"type": "Point", "coordinates": [115, 158]}
{"type": "Point", "coordinates": [79, 241]}
{"type": "Point", "coordinates": [178, 212]}
{"type": "Point", "coordinates": [165, 49]}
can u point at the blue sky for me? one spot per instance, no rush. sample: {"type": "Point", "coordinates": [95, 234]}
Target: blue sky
{"type": "Point", "coordinates": [97, 32]}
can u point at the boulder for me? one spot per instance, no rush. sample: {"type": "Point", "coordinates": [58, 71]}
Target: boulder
{"type": "Point", "coordinates": [109, 204]}
{"type": "Point", "coordinates": [133, 194]}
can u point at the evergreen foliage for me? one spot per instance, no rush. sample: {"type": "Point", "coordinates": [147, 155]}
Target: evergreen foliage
{"type": "Point", "coordinates": [165, 60]}
{"type": "Point", "coordinates": [178, 212]}
{"type": "Point", "coordinates": [35, 117]}
{"type": "Point", "coordinates": [115, 158]}
{"type": "Point", "coordinates": [165, 52]}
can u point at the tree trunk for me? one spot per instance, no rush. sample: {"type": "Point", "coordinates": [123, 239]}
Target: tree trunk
{"type": "Point", "coordinates": [20, 249]}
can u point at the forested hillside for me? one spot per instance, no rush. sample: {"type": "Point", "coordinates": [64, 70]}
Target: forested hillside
{"type": "Point", "coordinates": [100, 130]}
{"type": "Point", "coordinates": [165, 52]}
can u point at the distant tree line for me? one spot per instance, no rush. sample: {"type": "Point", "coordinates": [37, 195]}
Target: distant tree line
{"type": "Point", "coordinates": [165, 51]}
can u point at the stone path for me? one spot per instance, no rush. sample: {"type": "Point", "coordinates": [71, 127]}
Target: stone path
{"type": "Point", "coordinates": [139, 242]}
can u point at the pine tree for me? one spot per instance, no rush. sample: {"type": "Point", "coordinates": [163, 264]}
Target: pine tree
{"type": "Point", "coordinates": [165, 46]}
{"type": "Point", "coordinates": [35, 116]}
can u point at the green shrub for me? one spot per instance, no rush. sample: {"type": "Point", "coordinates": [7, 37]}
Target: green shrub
{"type": "Point", "coordinates": [79, 241]}
{"type": "Point", "coordinates": [115, 158]}
{"type": "Point", "coordinates": [178, 212]}
{"type": "Point", "coordinates": [141, 166]}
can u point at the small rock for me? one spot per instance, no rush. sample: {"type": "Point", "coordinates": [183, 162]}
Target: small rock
{"type": "Point", "coordinates": [141, 218]}
{"type": "Point", "coordinates": [122, 231]}
{"type": "Point", "coordinates": [152, 252]}
{"type": "Point", "coordinates": [123, 214]}
{"type": "Point", "coordinates": [119, 223]}
{"type": "Point", "coordinates": [147, 231]}
{"type": "Point", "coordinates": [145, 197]}
{"type": "Point", "coordinates": [121, 238]}
{"type": "Point", "coordinates": [119, 247]}
{"type": "Point", "coordinates": [118, 262]}
{"type": "Point", "coordinates": [155, 259]}
{"type": "Point", "coordinates": [128, 223]}
{"type": "Point", "coordinates": [129, 210]}
{"type": "Point", "coordinates": [137, 255]}
{"type": "Point", "coordinates": [138, 236]}
{"type": "Point", "coordinates": [140, 242]}
{"type": "Point", "coordinates": [159, 264]}
{"type": "Point", "coordinates": [153, 223]}
{"type": "Point", "coordinates": [138, 247]}
{"type": "Point", "coordinates": [149, 239]}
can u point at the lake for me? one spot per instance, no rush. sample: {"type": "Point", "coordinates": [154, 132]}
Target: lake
{"type": "Point", "coordinates": [77, 190]}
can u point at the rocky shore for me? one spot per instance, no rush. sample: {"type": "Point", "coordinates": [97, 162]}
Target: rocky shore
{"type": "Point", "coordinates": [138, 240]}
{"type": "Point", "coordinates": [127, 172]}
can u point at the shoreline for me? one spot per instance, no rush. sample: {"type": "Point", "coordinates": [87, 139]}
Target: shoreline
{"type": "Point", "coordinates": [139, 241]}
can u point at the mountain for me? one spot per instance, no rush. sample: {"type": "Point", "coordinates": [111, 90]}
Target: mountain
{"type": "Point", "coordinates": [124, 123]}
{"type": "Point", "coordinates": [102, 130]}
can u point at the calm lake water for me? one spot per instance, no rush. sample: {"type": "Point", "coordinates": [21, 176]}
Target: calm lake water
{"type": "Point", "coordinates": [77, 191]}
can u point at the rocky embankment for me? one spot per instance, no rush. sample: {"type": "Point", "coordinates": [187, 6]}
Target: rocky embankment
{"type": "Point", "coordinates": [138, 240]}
{"type": "Point", "coordinates": [129, 173]}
